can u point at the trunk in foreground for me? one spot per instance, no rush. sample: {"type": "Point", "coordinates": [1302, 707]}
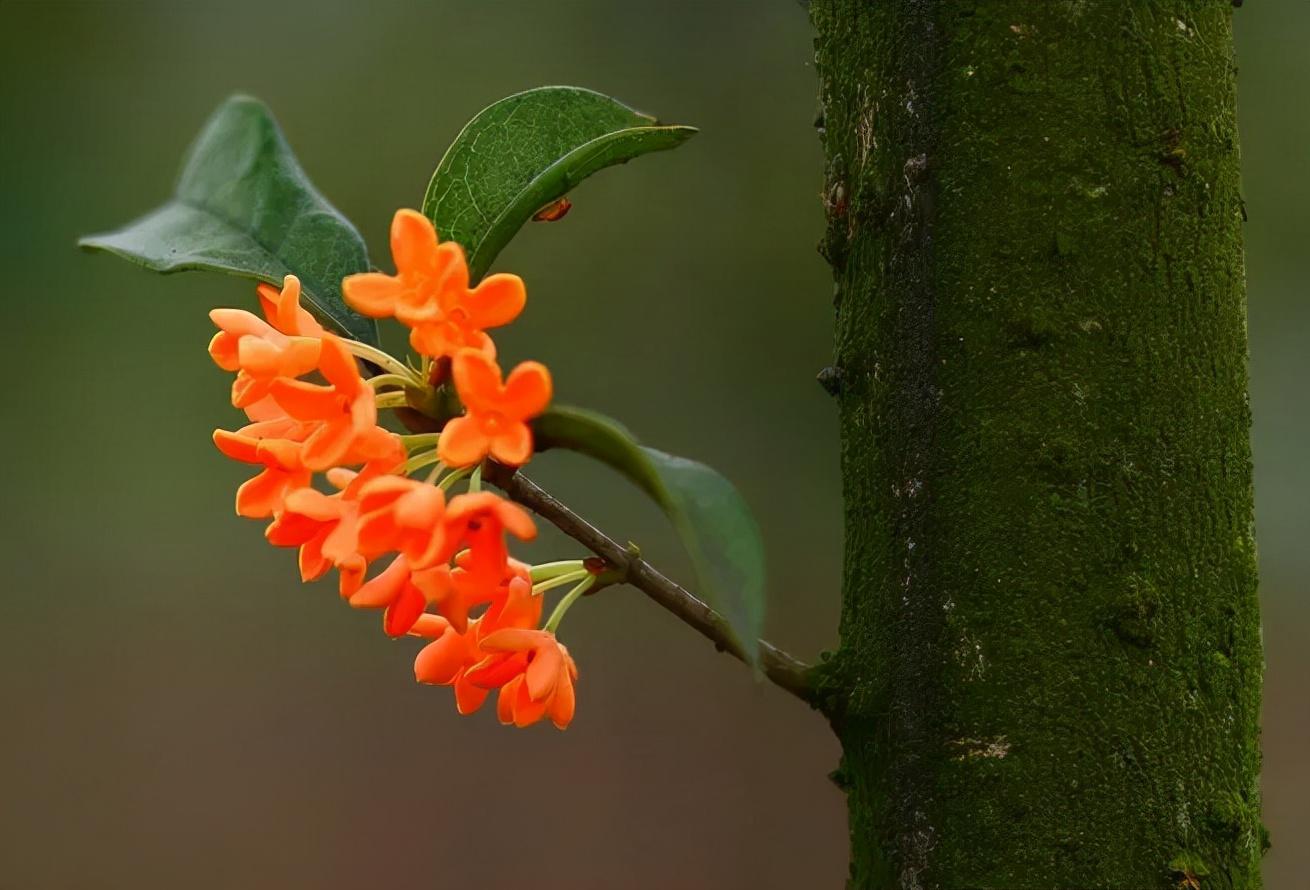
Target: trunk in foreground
{"type": "Point", "coordinates": [1049, 673]}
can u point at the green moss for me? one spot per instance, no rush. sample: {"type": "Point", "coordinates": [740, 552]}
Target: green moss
{"type": "Point", "coordinates": [1050, 663]}
{"type": "Point", "coordinates": [1188, 869]}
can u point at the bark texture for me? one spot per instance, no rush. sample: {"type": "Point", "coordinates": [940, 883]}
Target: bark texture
{"type": "Point", "coordinates": [1050, 661]}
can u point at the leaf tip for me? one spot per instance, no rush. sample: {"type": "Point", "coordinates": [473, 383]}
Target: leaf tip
{"type": "Point", "coordinates": [239, 99]}
{"type": "Point", "coordinates": [96, 242]}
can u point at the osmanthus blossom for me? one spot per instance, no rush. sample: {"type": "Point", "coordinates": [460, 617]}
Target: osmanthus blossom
{"type": "Point", "coordinates": [430, 292]}
{"type": "Point", "coordinates": [481, 520]}
{"type": "Point", "coordinates": [534, 673]}
{"type": "Point", "coordinates": [343, 414]}
{"type": "Point", "coordinates": [286, 345]}
{"type": "Point", "coordinates": [326, 529]}
{"type": "Point", "coordinates": [447, 659]}
{"type": "Point", "coordinates": [434, 561]}
{"type": "Point", "coordinates": [283, 471]}
{"type": "Point", "coordinates": [497, 413]}
{"type": "Point", "coordinates": [404, 592]}
{"type": "Point", "coordinates": [408, 515]}
{"type": "Point", "coordinates": [283, 310]}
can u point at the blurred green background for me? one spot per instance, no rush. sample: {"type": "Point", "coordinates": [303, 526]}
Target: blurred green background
{"type": "Point", "coordinates": [178, 711]}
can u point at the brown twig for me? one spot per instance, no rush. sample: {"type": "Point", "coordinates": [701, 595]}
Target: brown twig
{"type": "Point", "coordinates": [628, 567]}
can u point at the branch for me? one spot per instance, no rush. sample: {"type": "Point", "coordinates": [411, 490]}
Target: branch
{"type": "Point", "coordinates": [783, 669]}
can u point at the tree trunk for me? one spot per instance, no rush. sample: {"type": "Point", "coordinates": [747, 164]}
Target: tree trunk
{"type": "Point", "coordinates": [1050, 661]}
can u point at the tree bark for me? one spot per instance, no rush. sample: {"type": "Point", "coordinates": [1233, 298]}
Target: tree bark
{"type": "Point", "coordinates": [1050, 661]}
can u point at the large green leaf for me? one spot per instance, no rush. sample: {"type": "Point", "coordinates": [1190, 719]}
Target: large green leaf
{"type": "Point", "coordinates": [713, 521]}
{"type": "Point", "coordinates": [243, 206]}
{"type": "Point", "coordinates": [524, 152]}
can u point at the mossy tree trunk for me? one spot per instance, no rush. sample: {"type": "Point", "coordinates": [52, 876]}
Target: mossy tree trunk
{"type": "Point", "coordinates": [1050, 661]}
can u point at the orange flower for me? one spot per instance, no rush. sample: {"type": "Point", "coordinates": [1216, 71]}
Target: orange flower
{"type": "Point", "coordinates": [534, 672]}
{"type": "Point", "coordinates": [345, 411]}
{"type": "Point", "coordinates": [403, 514]}
{"type": "Point", "coordinates": [283, 472]}
{"type": "Point", "coordinates": [465, 314]}
{"type": "Point", "coordinates": [430, 291]}
{"type": "Point", "coordinates": [470, 589]}
{"type": "Point", "coordinates": [325, 528]}
{"type": "Point", "coordinates": [259, 353]}
{"type": "Point", "coordinates": [446, 660]}
{"type": "Point", "coordinates": [267, 408]}
{"type": "Point", "coordinates": [513, 604]}
{"type": "Point", "coordinates": [283, 311]}
{"type": "Point", "coordinates": [480, 520]}
{"type": "Point", "coordinates": [287, 345]}
{"type": "Point", "coordinates": [404, 592]}
{"type": "Point", "coordinates": [495, 422]}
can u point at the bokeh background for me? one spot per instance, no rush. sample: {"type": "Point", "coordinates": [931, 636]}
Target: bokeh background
{"type": "Point", "coordinates": [176, 710]}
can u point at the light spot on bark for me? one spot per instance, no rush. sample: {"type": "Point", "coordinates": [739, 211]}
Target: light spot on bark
{"type": "Point", "coordinates": [969, 656]}
{"type": "Point", "coordinates": [915, 847]}
{"type": "Point", "coordinates": [866, 141]}
{"type": "Point", "coordinates": [974, 749]}
{"type": "Point", "coordinates": [910, 96]}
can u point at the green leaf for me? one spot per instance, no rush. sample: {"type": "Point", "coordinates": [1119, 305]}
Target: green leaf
{"type": "Point", "coordinates": [243, 206]}
{"type": "Point", "coordinates": [713, 521]}
{"type": "Point", "coordinates": [524, 152]}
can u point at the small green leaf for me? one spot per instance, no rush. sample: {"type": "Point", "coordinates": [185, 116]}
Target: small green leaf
{"type": "Point", "coordinates": [243, 206]}
{"type": "Point", "coordinates": [524, 152]}
{"type": "Point", "coordinates": [713, 521]}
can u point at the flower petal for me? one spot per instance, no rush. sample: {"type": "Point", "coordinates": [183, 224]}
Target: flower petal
{"type": "Point", "coordinates": [314, 504]}
{"type": "Point", "coordinates": [266, 409]}
{"type": "Point", "coordinates": [247, 390]}
{"type": "Point", "coordinates": [512, 446]}
{"type": "Point", "coordinates": [527, 391]}
{"type": "Point", "coordinates": [305, 401]}
{"type": "Point", "coordinates": [514, 519]}
{"type": "Point", "coordinates": [291, 529]}
{"type": "Point", "coordinates": [497, 670]}
{"type": "Point", "coordinates": [237, 446]}
{"type": "Point", "coordinates": [385, 588]}
{"type": "Point", "coordinates": [497, 301]}
{"type": "Point", "coordinates": [351, 576]}
{"type": "Point", "coordinates": [477, 380]}
{"type": "Point", "coordinates": [259, 497]}
{"type": "Point", "coordinates": [421, 507]}
{"type": "Point", "coordinates": [515, 639]}
{"type": "Point", "coordinates": [372, 293]}
{"type": "Point", "coordinates": [562, 704]}
{"type": "Point", "coordinates": [543, 672]}
{"type": "Point", "coordinates": [505, 704]}
{"type": "Point", "coordinates": [240, 323]}
{"type": "Point", "coordinates": [328, 444]}
{"type": "Point", "coordinates": [223, 350]}
{"type": "Point", "coordinates": [429, 626]}
{"type": "Point", "coordinates": [468, 698]}
{"type": "Point", "coordinates": [441, 660]}
{"type": "Point", "coordinates": [339, 367]}
{"type": "Point", "coordinates": [342, 544]}
{"type": "Point", "coordinates": [462, 443]}
{"type": "Point", "coordinates": [313, 564]}
{"type": "Point", "coordinates": [268, 295]}
{"type": "Point", "coordinates": [527, 710]}
{"type": "Point", "coordinates": [401, 614]}
{"type": "Point", "coordinates": [413, 241]}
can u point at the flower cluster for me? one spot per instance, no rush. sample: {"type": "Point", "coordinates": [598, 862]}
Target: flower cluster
{"type": "Point", "coordinates": [433, 561]}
